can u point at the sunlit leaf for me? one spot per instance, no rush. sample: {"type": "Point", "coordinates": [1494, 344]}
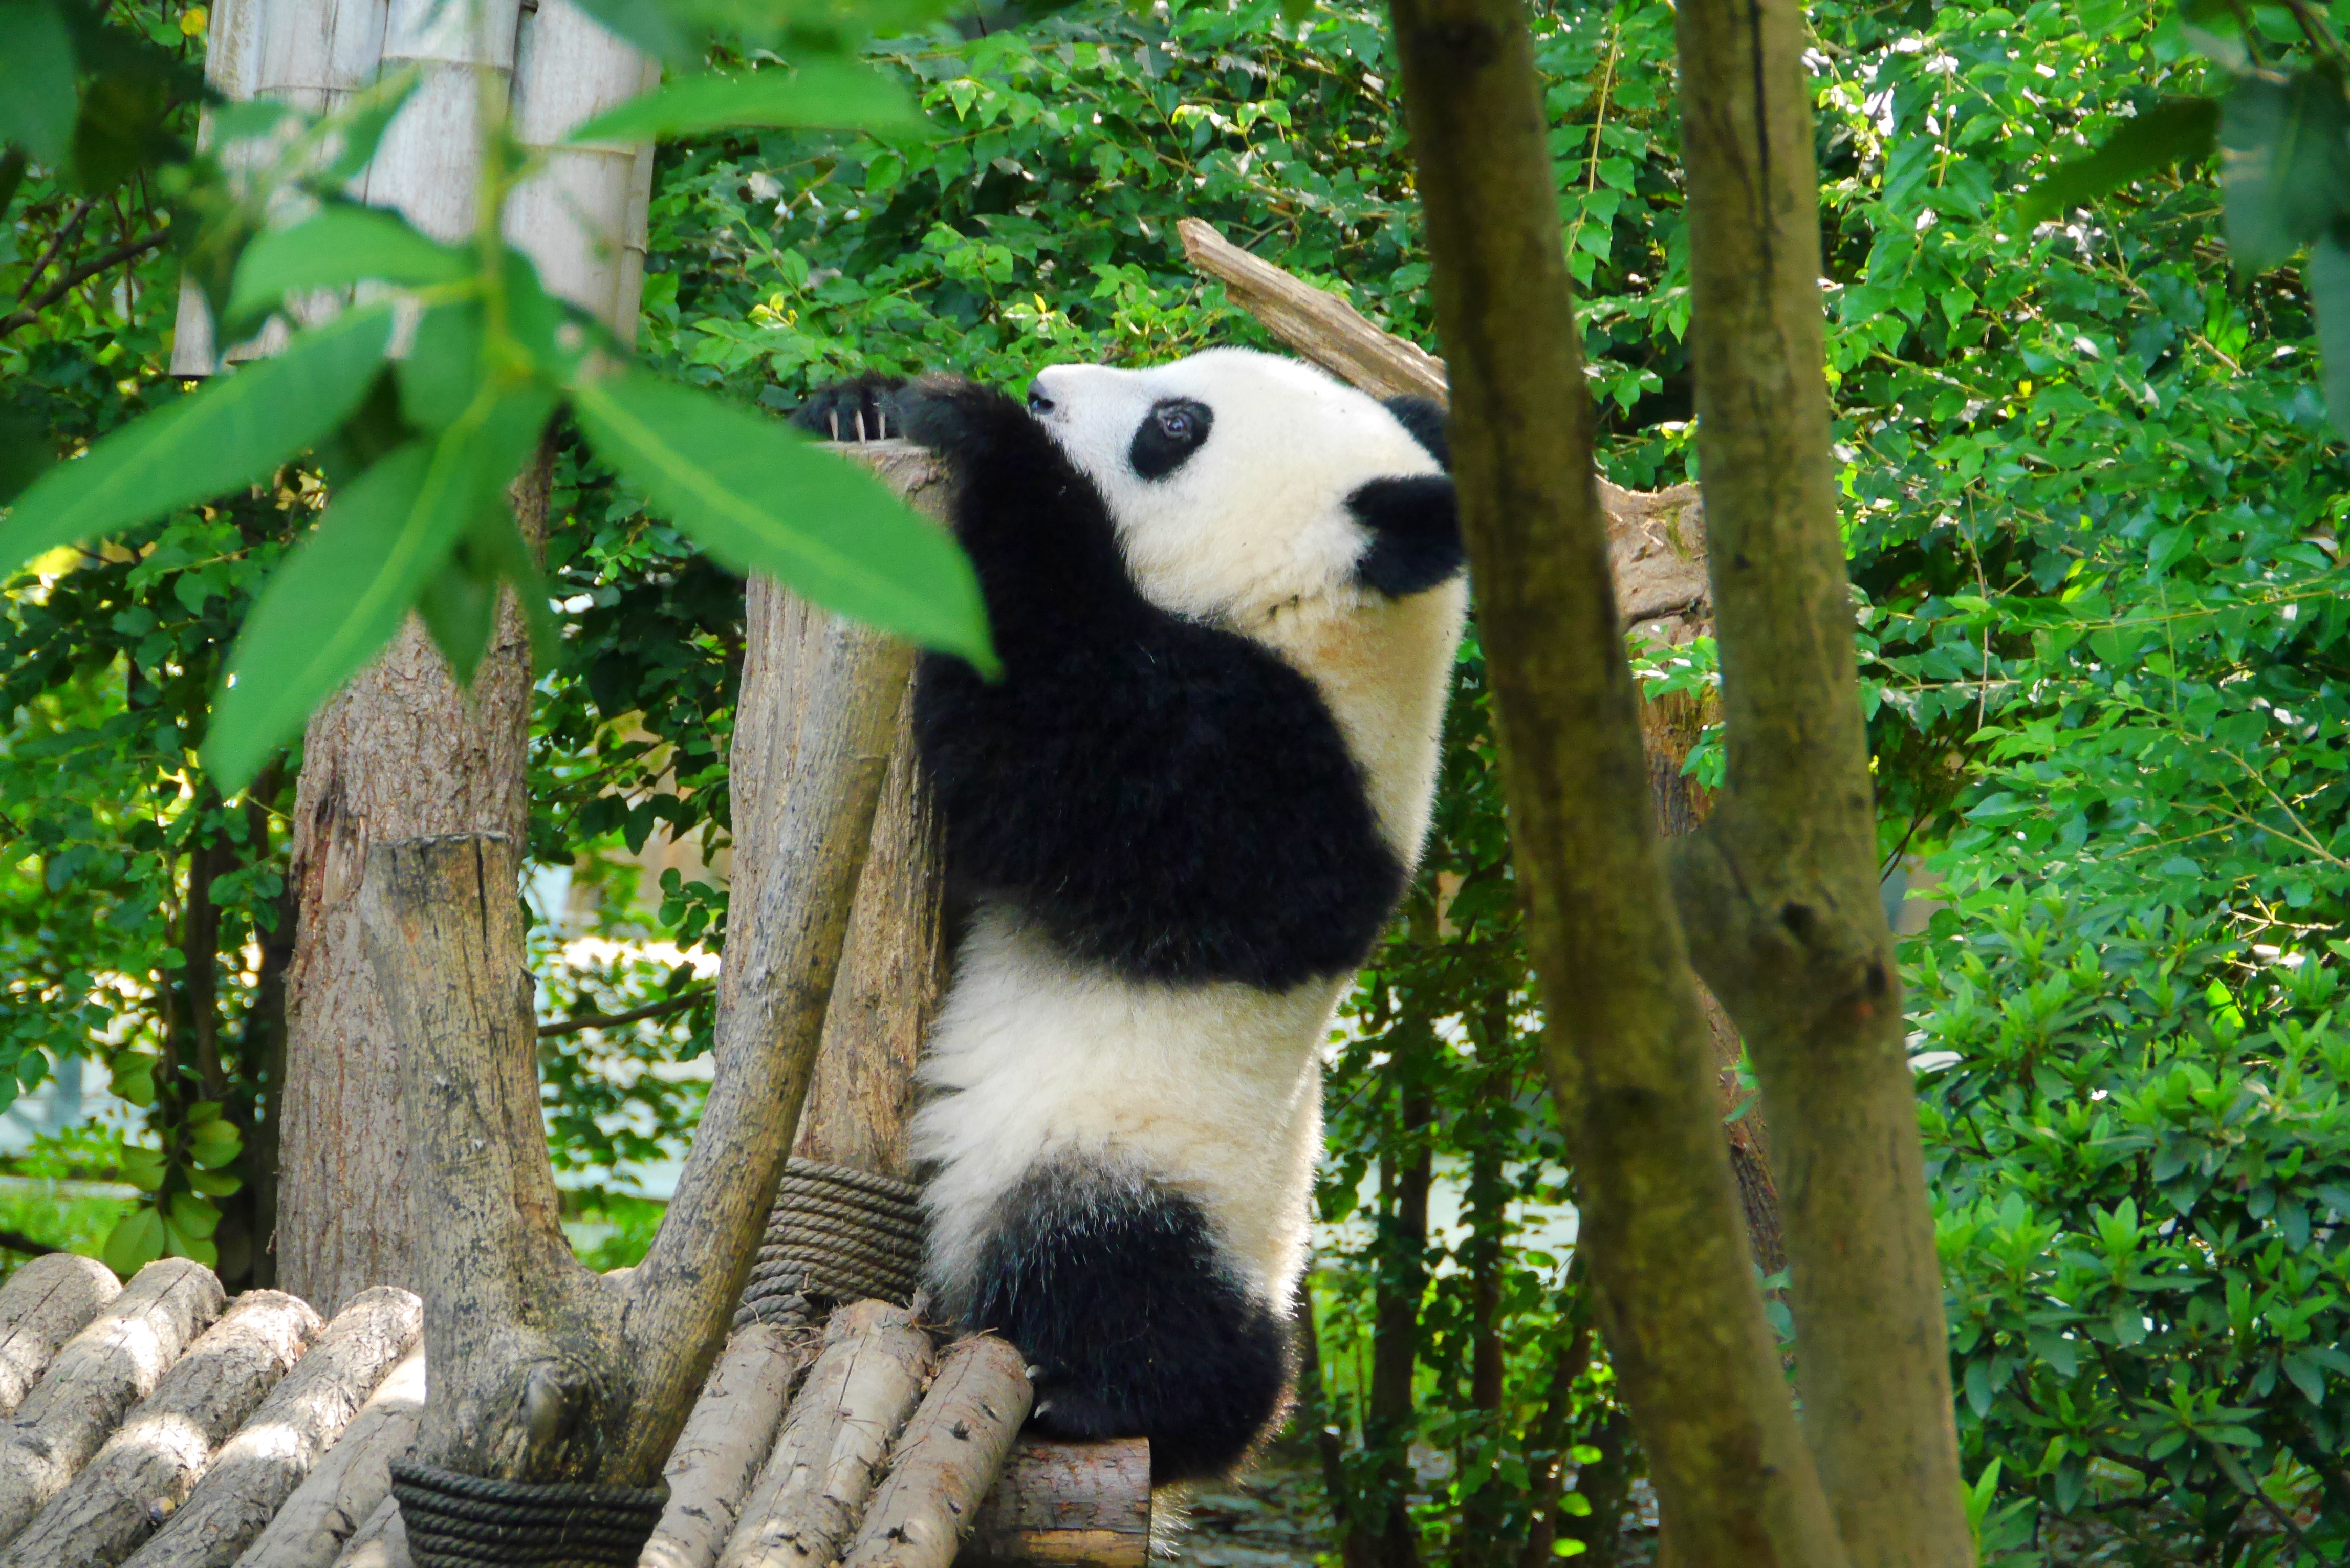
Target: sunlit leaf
{"type": "Point", "coordinates": [340, 246]}
{"type": "Point", "coordinates": [136, 1240]}
{"type": "Point", "coordinates": [761, 498]}
{"type": "Point", "coordinates": [2177, 131]}
{"type": "Point", "coordinates": [823, 92]}
{"type": "Point", "coordinates": [365, 118]}
{"type": "Point", "coordinates": [36, 80]}
{"type": "Point", "coordinates": [234, 432]}
{"type": "Point", "coordinates": [2284, 146]}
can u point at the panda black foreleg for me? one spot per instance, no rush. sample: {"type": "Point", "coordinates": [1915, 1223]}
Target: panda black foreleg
{"type": "Point", "coordinates": [1111, 1284]}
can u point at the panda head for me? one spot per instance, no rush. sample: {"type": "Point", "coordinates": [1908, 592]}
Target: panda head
{"type": "Point", "coordinates": [1241, 483]}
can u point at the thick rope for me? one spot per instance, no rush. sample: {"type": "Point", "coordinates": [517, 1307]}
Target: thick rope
{"type": "Point", "coordinates": [457, 1520]}
{"type": "Point", "coordinates": [836, 1234]}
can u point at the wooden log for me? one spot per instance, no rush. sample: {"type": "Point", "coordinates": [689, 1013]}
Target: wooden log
{"type": "Point", "coordinates": [380, 1542]}
{"type": "Point", "coordinates": [810, 1494]}
{"type": "Point", "coordinates": [947, 1459]}
{"type": "Point", "coordinates": [111, 1365]}
{"type": "Point", "coordinates": [732, 1430]}
{"type": "Point", "coordinates": [149, 1467]}
{"type": "Point", "coordinates": [1320, 326]}
{"type": "Point", "coordinates": [45, 1304]}
{"type": "Point", "coordinates": [257, 1468]}
{"type": "Point", "coordinates": [1072, 1505]}
{"type": "Point", "coordinates": [327, 1511]}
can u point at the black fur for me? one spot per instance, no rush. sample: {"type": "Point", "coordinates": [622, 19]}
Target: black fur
{"type": "Point", "coordinates": [1415, 528]}
{"type": "Point", "coordinates": [864, 407]}
{"type": "Point", "coordinates": [1108, 1283]}
{"type": "Point", "coordinates": [1425, 420]}
{"type": "Point", "coordinates": [1177, 428]}
{"type": "Point", "coordinates": [1167, 799]}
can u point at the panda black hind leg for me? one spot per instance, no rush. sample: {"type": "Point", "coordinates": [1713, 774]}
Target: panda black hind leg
{"type": "Point", "coordinates": [1111, 1283]}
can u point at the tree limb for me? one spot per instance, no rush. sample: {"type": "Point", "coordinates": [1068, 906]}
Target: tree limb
{"type": "Point", "coordinates": [130, 250]}
{"type": "Point", "coordinates": [1625, 1046]}
{"type": "Point", "coordinates": [1779, 891]}
{"type": "Point", "coordinates": [661, 1009]}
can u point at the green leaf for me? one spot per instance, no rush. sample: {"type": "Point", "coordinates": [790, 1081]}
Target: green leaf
{"type": "Point", "coordinates": [213, 1183]}
{"type": "Point", "coordinates": [340, 246]}
{"type": "Point", "coordinates": [133, 1080]}
{"type": "Point", "coordinates": [443, 372]}
{"type": "Point", "coordinates": [364, 119]}
{"type": "Point", "coordinates": [2176, 130]}
{"type": "Point", "coordinates": [340, 595]}
{"type": "Point", "coordinates": [644, 22]}
{"type": "Point", "coordinates": [760, 497]}
{"type": "Point", "coordinates": [2285, 147]}
{"type": "Point", "coordinates": [136, 1240]}
{"type": "Point", "coordinates": [234, 432]}
{"type": "Point", "coordinates": [37, 106]}
{"type": "Point", "coordinates": [2326, 275]}
{"type": "Point", "coordinates": [2302, 1370]}
{"type": "Point", "coordinates": [192, 1214]}
{"type": "Point", "coordinates": [821, 93]}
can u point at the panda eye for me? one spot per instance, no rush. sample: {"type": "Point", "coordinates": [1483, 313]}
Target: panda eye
{"type": "Point", "coordinates": [1169, 435]}
{"type": "Point", "coordinates": [1175, 424]}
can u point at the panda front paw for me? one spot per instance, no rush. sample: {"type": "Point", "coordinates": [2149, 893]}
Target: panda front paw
{"type": "Point", "coordinates": [863, 408]}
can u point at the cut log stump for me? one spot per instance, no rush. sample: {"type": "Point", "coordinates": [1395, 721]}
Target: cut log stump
{"type": "Point", "coordinates": [256, 1470]}
{"type": "Point", "coordinates": [147, 1468]}
{"type": "Point", "coordinates": [111, 1365]}
{"type": "Point", "coordinates": [1082, 1505]}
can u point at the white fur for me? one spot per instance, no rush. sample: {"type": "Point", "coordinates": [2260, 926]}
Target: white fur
{"type": "Point", "coordinates": [1214, 1089]}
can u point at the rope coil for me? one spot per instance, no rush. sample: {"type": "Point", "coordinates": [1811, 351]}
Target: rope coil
{"type": "Point", "coordinates": [457, 1520]}
{"type": "Point", "coordinates": [836, 1234]}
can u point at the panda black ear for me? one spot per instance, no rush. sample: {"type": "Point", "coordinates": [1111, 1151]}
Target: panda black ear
{"type": "Point", "coordinates": [1415, 529]}
{"type": "Point", "coordinates": [1424, 418]}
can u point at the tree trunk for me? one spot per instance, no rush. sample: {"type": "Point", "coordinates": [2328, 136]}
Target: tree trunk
{"type": "Point", "coordinates": [1780, 890]}
{"type": "Point", "coordinates": [398, 753]}
{"type": "Point", "coordinates": [1624, 1047]}
{"type": "Point", "coordinates": [1389, 1541]}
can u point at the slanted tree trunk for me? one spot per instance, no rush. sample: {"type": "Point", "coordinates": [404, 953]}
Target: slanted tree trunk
{"type": "Point", "coordinates": [1780, 890]}
{"type": "Point", "coordinates": [1626, 1046]}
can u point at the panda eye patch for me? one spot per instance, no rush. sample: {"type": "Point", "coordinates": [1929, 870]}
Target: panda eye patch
{"type": "Point", "coordinates": [1169, 434]}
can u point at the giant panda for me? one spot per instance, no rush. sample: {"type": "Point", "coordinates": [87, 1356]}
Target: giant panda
{"type": "Point", "coordinates": [1226, 593]}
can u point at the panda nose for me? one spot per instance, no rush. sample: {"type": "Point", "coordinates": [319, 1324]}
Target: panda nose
{"type": "Point", "coordinates": [1038, 402]}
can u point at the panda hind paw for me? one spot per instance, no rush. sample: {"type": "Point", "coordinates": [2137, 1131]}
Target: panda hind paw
{"type": "Point", "coordinates": [863, 408]}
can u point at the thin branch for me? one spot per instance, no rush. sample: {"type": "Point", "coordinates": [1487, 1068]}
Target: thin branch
{"type": "Point", "coordinates": [17, 1242]}
{"type": "Point", "coordinates": [57, 242]}
{"type": "Point", "coordinates": [79, 275]}
{"type": "Point", "coordinates": [677, 1004]}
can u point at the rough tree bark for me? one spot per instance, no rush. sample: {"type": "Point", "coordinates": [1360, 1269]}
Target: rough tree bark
{"type": "Point", "coordinates": [953, 1450]}
{"type": "Point", "coordinates": [151, 1463]}
{"type": "Point", "coordinates": [400, 752]}
{"type": "Point", "coordinates": [543, 1371]}
{"type": "Point", "coordinates": [725, 1442]}
{"type": "Point", "coordinates": [44, 1305]}
{"type": "Point", "coordinates": [251, 1476]}
{"type": "Point", "coordinates": [327, 1510]}
{"type": "Point", "coordinates": [1626, 1048]}
{"type": "Point", "coordinates": [1779, 891]}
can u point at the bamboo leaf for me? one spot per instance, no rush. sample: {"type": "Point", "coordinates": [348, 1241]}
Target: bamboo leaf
{"type": "Point", "coordinates": [234, 432]}
{"type": "Point", "coordinates": [340, 246]}
{"type": "Point", "coordinates": [762, 498]}
{"type": "Point", "coordinates": [341, 594]}
{"type": "Point", "coordinates": [2327, 277]}
{"type": "Point", "coordinates": [2177, 131]}
{"type": "Point", "coordinates": [36, 80]}
{"type": "Point", "coordinates": [820, 93]}
{"type": "Point", "coordinates": [2285, 164]}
